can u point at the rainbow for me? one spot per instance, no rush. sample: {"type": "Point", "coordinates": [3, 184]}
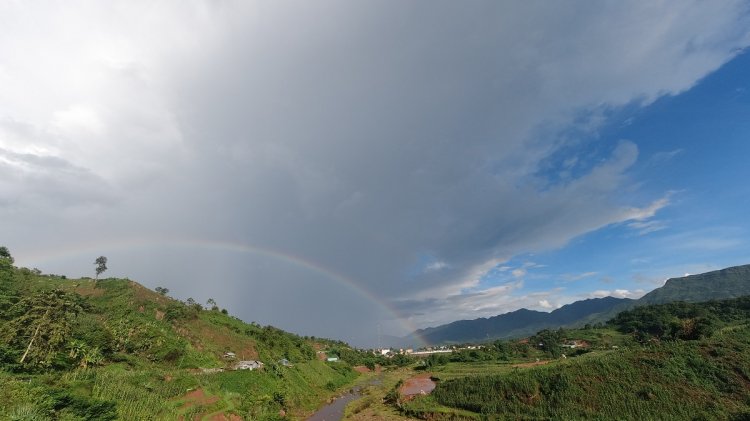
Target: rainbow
{"type": "Point", "coordinates": [235, 247]}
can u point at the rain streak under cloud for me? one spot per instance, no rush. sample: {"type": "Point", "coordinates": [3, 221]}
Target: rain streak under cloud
{"type": "Point", "coordinates": [332, 167]}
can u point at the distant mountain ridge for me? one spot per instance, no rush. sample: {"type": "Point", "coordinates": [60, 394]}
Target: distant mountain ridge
{"type": "Point", "coordinates": [516, 323]}
{"type": "Point", "coordinates": [720, 284]}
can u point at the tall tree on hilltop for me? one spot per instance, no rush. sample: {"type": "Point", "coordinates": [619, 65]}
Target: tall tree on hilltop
{"type": "Point", "coordinates": [101, 265]}
{"type": "Point", "coordinates": [7, 287]}
{"type": "Point", "coordinates": [5, 254]}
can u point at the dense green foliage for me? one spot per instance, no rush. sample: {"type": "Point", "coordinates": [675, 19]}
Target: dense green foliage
{"type": "Point", "coordinates": [357, 357]}
{"type": "Point", "coordinates": [700, 369]}
{"type": "Point", "coordinates": [83, 349]}
{"type": "Point", "coordinates": [681, 320]}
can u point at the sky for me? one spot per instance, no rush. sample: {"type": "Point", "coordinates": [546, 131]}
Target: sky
{"type": "Point", "coordinates": [355, 169]}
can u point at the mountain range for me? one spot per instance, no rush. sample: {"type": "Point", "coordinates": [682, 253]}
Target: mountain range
{"type": "Point", "coordinates": [720, 284]}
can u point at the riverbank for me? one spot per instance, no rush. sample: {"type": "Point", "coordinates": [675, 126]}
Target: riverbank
{"type": "Point", "coordinates": [370, 407]}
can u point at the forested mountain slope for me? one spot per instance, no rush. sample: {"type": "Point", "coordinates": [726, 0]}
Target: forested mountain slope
{"type": "Point", "coordinates": [680, 361]}
{"type": "Point", "coordinates": [715, 285]}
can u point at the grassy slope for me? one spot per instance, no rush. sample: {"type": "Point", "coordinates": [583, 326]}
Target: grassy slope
{"type": "Point", "coordinates": [148, 356]}
{"type": "Point", "coordinates": [707, 378]}
{"type": "Point", "coordinates": [666, 381]}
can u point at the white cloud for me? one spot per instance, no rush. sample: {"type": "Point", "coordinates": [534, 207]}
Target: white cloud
{"type": "Point", "coordinates": [647, 227]}
{"type": "Point", "coordinates": [650, 210]}
{"type": "Point", "coordinates": [618, 293]}
{"type": "Point", "coordinates": [570, 277]}
{"type": "Point", "coordinates": [487, 303]}
{"type": "Point", "coordinates": [661, 157]}
{"type": "Point", "coordinates": [436, 265]}
{"type": "Point", "coordinates": [545, 304]}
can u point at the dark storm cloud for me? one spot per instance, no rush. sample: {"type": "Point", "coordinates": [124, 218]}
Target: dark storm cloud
{"type": "Point", "coordinates": [358, 137]}
{"type": "Point", "coordinates": [32, 180]}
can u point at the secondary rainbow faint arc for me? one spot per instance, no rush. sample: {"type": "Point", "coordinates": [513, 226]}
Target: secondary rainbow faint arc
{"type": "Point", "coordinates": [245, 248]}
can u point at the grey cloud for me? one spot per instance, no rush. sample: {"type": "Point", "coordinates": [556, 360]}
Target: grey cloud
{"type": "Point", "coordinates": [30, 180]}
{"type": "Point", "coordinates": [357, 136]}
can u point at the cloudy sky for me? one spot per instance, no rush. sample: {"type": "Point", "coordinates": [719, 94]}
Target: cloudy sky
{"type": "Point", "coordinates": [330, 167]}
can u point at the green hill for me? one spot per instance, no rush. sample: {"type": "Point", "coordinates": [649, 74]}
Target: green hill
{"type": "Point", "coordinates": [715, 285]}
{"type": "Point", "coordinates": [110, 349]}
{"type": "Point", "coordinates": [680, 361]}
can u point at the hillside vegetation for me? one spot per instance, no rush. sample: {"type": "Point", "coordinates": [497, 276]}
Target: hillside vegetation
{"type": "Point", "coordinates": [83, 349]}
{"type": "Point", "coordinates": [680, 361]}
{"type": "Point", "coordinates": [720, 284]}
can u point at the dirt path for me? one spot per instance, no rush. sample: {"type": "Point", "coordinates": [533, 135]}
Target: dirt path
{"type": "Point", "coordinates": [202, 401]}
{"type": "Point", "coordinates": [195, 394]}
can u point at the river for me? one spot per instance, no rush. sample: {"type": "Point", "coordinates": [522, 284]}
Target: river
{"type": "Point", "coordinates": [334, 411]}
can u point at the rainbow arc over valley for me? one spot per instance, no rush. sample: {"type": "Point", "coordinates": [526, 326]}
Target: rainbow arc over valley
{"type": "Point", "coordinates": [134, 244]}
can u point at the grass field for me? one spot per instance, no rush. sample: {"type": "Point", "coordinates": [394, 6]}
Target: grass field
{"type": "Point", "coordinates": [667, 381]}
{"type": "Point", "coordinates": [457, 370]}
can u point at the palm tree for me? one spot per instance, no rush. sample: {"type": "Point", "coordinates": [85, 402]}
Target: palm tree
{"type": "Point", "coordinates": [92, 356]}
{"type": "Point", "coordinates": [77, 348]}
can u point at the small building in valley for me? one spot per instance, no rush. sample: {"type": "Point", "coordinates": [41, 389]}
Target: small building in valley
{"type": "Point", "coordinates": [248, 365]}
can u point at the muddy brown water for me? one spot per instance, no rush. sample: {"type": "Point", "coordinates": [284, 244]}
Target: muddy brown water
{"type": "Point", "coordinates": [417, 385]}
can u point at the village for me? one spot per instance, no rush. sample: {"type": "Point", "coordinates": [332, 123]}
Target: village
{"type": "Point", "coordinates": [233, 363]}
